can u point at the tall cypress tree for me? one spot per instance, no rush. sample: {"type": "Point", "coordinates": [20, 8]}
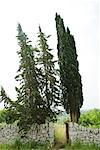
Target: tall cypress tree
{"type": "Point", "coordinates": [30, 104]}
{"type": "Point", "coordinates": [38, 91]}
{"type": "Point", "coordinates": [72, 97]}
{"type": "Point", "coordinates": [49, 86]}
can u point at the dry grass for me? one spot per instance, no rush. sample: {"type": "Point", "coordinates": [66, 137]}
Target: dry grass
{"type": "Point", "coordinates": [60, 136]}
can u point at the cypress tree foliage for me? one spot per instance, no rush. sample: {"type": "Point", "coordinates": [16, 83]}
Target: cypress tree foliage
{"type": "Point", "coordinates": [5, 98]}
{"type": "Point", "coordinates": [48, 84]}
{"type": "Point", "coordinates": [38, 91]}
{"type": "Point", "coordinates": [30, 103]}
{"type": "Point", "coordinates": [72, 97]}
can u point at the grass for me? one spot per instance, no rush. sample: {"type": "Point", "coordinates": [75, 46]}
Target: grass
{"type": "Point", "coordinates": [60, 136]}
{"type": "Point", "coordinates": [81, 147]}
{"type": "Point", "coordinates": [38, 146]}
{"type": "Point", "coordinates": [28, 146]}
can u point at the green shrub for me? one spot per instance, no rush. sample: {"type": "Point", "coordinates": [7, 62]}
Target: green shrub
{"type": "Point", "coordinates": [90, 118]}
{"type": "Point", "coordinates": [2, 115]}
{"type": "Point", "coordinates": [17, 144]}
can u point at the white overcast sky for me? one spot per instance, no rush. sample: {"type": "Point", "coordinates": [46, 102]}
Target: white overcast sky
{"type": "Point", "coordinates": [81, 16]}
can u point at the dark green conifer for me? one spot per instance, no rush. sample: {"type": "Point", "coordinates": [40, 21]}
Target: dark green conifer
{"type": "Point", "coordinates": [72, 97]}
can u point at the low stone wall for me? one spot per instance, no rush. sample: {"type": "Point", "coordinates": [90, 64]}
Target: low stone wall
{"type": "Point", "coordinates": [42, 133]}
{"type": "Point", "coordinates": [86, 135]}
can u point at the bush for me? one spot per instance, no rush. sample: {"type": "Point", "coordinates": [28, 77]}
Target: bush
{"type": "Point", "coordinates": [17, 144]}
{"type": "Point", "coordinates": [90, 118]}
{"type": "Point", "coordinates": [2, 115]}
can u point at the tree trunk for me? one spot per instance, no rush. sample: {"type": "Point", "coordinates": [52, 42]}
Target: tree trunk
{"type": "Point", "coordinates": [73, 116]}
{"type": "Point", "coordinates": [67, 132]}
